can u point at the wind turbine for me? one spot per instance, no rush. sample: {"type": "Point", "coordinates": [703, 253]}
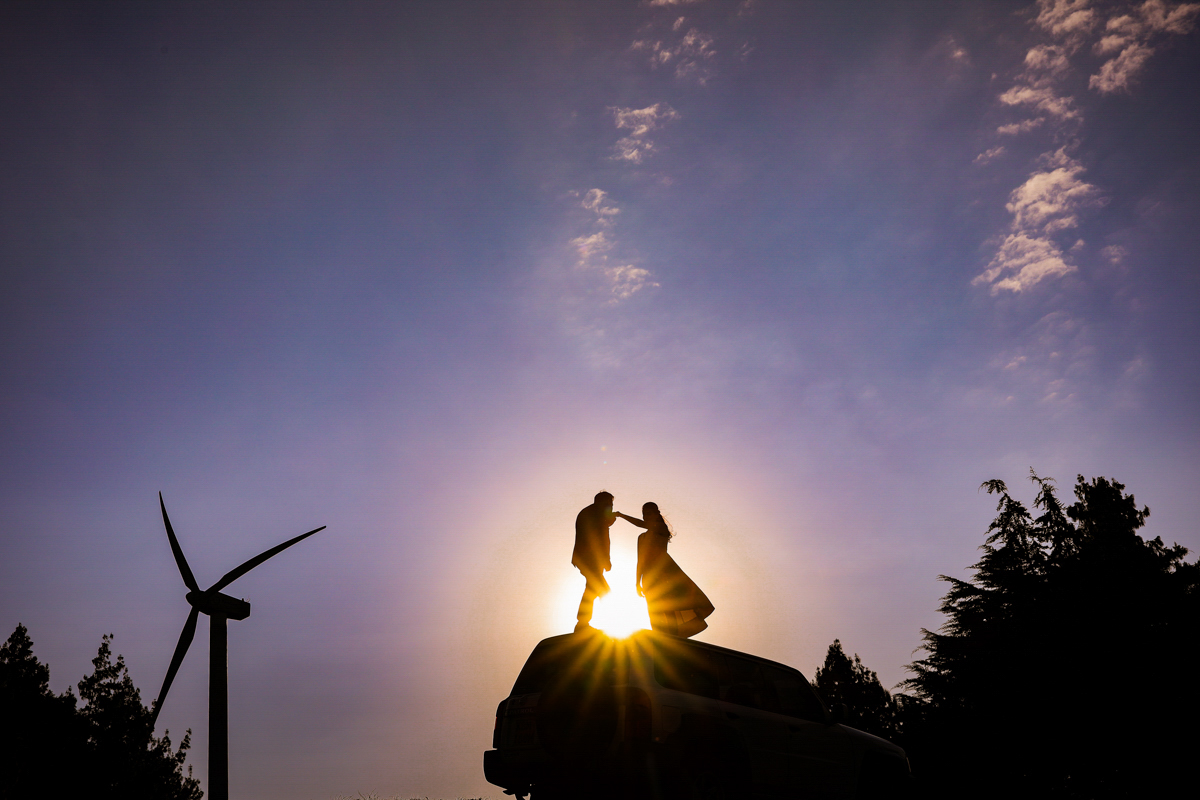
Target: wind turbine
{"type": "Point", "coordinates": [220, 608]}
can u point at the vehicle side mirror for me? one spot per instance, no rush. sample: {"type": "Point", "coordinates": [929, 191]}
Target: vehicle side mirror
{"type": "Point", "coordinates": [839, 713]}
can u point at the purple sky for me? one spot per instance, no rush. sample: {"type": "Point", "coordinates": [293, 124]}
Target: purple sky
{"type": "Point", "coordinates": [432, 274]}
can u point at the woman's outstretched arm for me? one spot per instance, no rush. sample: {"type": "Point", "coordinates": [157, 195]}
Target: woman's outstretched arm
{"type": "Point", "coordinates": [634, 520]}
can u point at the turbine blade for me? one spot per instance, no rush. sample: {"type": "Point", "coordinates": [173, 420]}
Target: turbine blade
{"type": "Point", "coordinates": [185, 641]}
{"type": "Point", "coordinates": [238, 572]}
{"type": "Point", "coordinates": [188, 578]}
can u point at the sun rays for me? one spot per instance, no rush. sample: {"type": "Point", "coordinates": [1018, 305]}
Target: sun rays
{"type": "Point", "coordinates": [619, 613]}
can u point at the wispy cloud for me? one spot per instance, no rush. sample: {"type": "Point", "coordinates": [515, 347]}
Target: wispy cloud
{"type": "Point", "coordinates": [1114, 254]}
{"type": "Point", "coordinates": [1047, 204]}
{"type": "Point", "coordinates": [989, 155]}
{"type": "Point", "coordinates": [617, 281]}
{"type": "Point", "coordinates": [1048, 60]}
{"type": "Point", "coordinates": [1052, 365]}
{"type": "Point", "coordinates": [1042, 98]}
{"type": "Point", "coordinates": [1066, 19]}
{"type": "Point", "coordinates": [591, 246]}
{"type": "Point", "coordinates": [640, 122]}
{"type": "Point", "coordinates": [1024, 126]}
{"type": "Point", "coordinates": [1050, 200]}
{"type": "Point", "coordinates": [1041, 245]}
{"type": "Point", "coordinates": [1116, 73]}
{"type": "Point", "coordinates": [686, 49]}
{"type": "Point", "coordinates": [1023, 261]}
{"type": "Point", "coordinates": [628, 279]}
{"type": "Point", "coordinates": [1127, 39]}
{"type": "Point", "coordinates": [593, 201]}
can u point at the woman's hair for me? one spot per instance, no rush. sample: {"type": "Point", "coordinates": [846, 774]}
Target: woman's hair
{"type": "Point", "coordinates": [662, 529]}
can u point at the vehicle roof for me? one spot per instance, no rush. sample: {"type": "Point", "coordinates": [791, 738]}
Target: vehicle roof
{"type": "Point", "coordinates": [644, 634]}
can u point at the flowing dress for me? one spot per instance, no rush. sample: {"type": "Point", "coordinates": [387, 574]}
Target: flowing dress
{"type": "Point", "coordinates": [675, 602]}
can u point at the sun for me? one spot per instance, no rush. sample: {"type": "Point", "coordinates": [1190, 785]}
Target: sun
{"type": "Point", "coordinates": [621, 612]}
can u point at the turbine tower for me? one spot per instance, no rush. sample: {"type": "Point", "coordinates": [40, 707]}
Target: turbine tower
{"type": "Point", "coordinates": [220, 608]}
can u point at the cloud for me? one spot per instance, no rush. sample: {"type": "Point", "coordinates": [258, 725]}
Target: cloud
{"type": "Point", "coordinates": [695, 47]}
{"type": "Point", "coordinates": [594, 201]}
{"type": "Point", "coordinates": [989, 155]}
{"type": "Point", "coordinates": [592, 249]}
{"type": "Point", "coordinates": [628, 279]}
{"type": "Point", "coordinates": [1025, 261]}
{"type": "Point", "coordinates": [627, 148]}
{"type": "Point", "coordinates": [1129, 35]}
{"type": "Point", "coordinates": [1048, 59]}
{"type": "Point", "coordinates": [1066, 18]}
{"type": "Point", "coordinates": [957, 52]}
{"type": "Point", "coordinates": [672, 2]}
{"type": "Point", "coordinates": [1159, 17]}
{"type": "Point", "coordinates": [1049, 200]}
{"type": "Point", "coordinates": [1043, 98]}
{"type": "Point", "coordinates": [689, 53]}
{"type": "Point", "coordinates": [1040, 246]}
{"type": "Point", "coordinates": [1054, 364]}
{"type": "Point", "coordinates": [1114, 254]}
{"type": "Point", "coordinates": [1024, 126]}
{"type": "Point", "coordinates": [1117, 73]}
{"type": "Point", "coordinates": [1047, 203]}
{"type": "Point", "coordinates": [639, 122]}
{"type": "Point", "coordinates": [591, 245]}
{"type": "Point", "coordinates": [1150, 18]}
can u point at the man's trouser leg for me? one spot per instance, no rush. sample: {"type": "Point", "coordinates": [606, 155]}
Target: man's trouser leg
{"type": "Point", "coordinates": [596, 586]}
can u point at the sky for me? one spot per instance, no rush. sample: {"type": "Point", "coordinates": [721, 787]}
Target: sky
{"type": "Point", "coordinates": [433, 274]}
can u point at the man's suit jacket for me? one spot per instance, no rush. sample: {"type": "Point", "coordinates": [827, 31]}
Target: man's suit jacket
{"type": "Point", "coordinates": [591, 539]}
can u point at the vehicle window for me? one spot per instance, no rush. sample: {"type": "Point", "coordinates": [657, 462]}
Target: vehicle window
{"type": "Point", "coordinates": [795, 696]}
{"type": "Point", "coordinates": [569, 663]}
{"type": "Point", "coordinates": [742, 686]}
{"type": "Point", "coordinates": [746, 685]}
{"type": "Point", "coordinates": [688, 669]}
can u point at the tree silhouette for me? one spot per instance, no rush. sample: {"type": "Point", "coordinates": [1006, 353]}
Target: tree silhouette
{"type": "Point", "coordinates": [104, 749]}
{"type": "Point", "coordinates": [869, 706]}
{"type": "Point", "coordinates": [1064, 662]}
{"type": "Point", "coordinates": [34, 723]}
{"type": "Point", "coordinates": [121, 736]}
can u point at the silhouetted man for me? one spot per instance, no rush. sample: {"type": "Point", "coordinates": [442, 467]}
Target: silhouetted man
{"type": "Point", "coordinates": [591, 555]}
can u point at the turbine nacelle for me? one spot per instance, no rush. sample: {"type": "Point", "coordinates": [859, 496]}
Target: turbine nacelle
{"type": "Point", "coordinates": [218, 604]}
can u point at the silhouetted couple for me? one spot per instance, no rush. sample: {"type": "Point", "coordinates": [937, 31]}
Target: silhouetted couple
{"type": "Point", "coordinates": [675, 602]}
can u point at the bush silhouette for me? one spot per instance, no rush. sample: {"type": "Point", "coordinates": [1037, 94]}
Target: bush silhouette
{"type": "Point", "coordinates": [104, 749]}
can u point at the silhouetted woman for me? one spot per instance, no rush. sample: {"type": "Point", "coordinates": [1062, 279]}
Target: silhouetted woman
{"type": "Point", "coordinates": [676, 604]}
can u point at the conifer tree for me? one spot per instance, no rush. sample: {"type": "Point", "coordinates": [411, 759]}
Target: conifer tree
{"type": "Point", "coordinates": [1064, 660]}
{"type": "Point", "coordinates": [39, 731]}
{"type": "Point", "coordinates": [870, 706]}
{"type": "Point", "coordinates": [130, 761]}
{"type": "Point", "coordinates": [104, 749]}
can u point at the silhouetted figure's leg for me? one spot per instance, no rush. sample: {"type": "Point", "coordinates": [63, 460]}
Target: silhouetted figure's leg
{"type": "Point", "coordinates": [596, 586]}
